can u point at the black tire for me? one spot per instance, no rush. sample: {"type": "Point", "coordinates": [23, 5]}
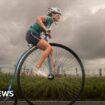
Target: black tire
{"type": "Point", "coordinates": [6, 100]}
{"type": "Point", "coordinates": [64, 48]}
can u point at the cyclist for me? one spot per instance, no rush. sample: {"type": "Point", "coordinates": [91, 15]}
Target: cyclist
{"type": "Point", "coordinates": [33, 36]}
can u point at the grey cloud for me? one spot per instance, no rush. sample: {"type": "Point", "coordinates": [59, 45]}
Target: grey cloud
{"type": "Point", "coordinates": [90, 36]}
{"type": "Point", "coordinates": [79, 28]}
{"type": "Point", "coordinates": [16, 16]}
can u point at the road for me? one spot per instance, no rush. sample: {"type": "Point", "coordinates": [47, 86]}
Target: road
{"type": "Point", "coordinates": [61, 103]}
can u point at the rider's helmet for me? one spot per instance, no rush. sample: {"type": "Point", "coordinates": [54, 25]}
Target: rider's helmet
{"type": "Point", "coordinates": [54, 10]}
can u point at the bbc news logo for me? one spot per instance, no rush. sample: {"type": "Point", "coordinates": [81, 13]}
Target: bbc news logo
{"type": "Point", "coordinates": [5, 93]}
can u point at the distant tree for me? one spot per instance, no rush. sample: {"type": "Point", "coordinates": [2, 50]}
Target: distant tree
{"type": "Point", "coordinates": [0, 69]}
{"type": "Point", "coordinates": [76, 71]}
{"type": "Point", "coordinates": [100, 72]}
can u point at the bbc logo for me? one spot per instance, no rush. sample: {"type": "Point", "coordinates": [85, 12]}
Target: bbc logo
{"type": "Point", "coordinates": [6, 93]}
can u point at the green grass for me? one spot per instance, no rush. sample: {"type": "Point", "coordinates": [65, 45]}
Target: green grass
{"type": "Point", "coordinates": [94, 89]}
{"type": "Point", "coordinates": [44, 89]}
{"type": "Point", "coordinates": [57, 89]}
{"type": "Point", "coordinates": [4, 79]}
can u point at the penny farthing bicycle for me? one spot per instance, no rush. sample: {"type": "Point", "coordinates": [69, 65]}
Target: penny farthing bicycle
{"type": "Point", "coordinates": [66, 83]}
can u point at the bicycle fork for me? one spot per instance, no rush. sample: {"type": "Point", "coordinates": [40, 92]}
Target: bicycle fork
{"type": "Point", "coordinates": [50, 76]}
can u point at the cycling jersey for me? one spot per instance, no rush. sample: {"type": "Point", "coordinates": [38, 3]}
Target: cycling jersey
{"type": "Point", "coordinates": [38, 29]}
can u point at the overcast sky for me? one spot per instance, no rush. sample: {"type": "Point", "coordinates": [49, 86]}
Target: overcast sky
{"type": "Point", "coordinates": [82, 27]}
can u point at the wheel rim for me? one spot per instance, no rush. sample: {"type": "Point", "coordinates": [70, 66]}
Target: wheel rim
{"type": "Point", "coordinates": [68, 68]}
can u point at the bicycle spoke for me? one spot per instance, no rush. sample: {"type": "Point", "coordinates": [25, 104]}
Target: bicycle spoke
{"type": "Point", "coordinates": [69, 71]}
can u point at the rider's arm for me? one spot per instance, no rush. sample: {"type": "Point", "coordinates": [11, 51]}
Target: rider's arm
{"type": "Point", "coordinates": [40, 20]}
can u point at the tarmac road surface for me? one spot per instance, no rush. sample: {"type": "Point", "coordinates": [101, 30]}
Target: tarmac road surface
{"type": "Point", "coordinates": [59, 103]}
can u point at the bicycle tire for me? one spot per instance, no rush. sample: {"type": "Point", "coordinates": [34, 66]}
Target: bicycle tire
{"type": "Point", "coordinates": [32, 49]}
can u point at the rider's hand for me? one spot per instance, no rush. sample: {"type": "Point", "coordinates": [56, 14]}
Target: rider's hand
{"type": "Point", "coordinates": [49, 35]}
{"type": "Point", "coordinates": [48, 32]}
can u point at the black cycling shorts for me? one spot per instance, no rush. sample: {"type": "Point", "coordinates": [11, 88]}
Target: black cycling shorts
{"type": "Point", "coordinates": [32, 38]}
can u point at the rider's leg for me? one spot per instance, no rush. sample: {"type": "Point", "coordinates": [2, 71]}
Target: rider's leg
{"type": "Point", "coordinates": [42, 44]}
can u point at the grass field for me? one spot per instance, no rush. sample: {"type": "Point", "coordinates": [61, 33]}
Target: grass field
{"type": "Point", "coordinates": [58, 89]}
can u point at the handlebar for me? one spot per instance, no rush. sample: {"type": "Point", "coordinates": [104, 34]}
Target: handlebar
{"type": "Point", "coordinates": [46, 37]}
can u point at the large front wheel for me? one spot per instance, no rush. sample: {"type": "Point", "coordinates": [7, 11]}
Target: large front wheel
{"type": "Point", "coordinates": [67, 85]}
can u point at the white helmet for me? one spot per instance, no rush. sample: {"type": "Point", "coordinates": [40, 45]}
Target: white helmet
{"type": "Point", "coordinates": [54, 10]}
